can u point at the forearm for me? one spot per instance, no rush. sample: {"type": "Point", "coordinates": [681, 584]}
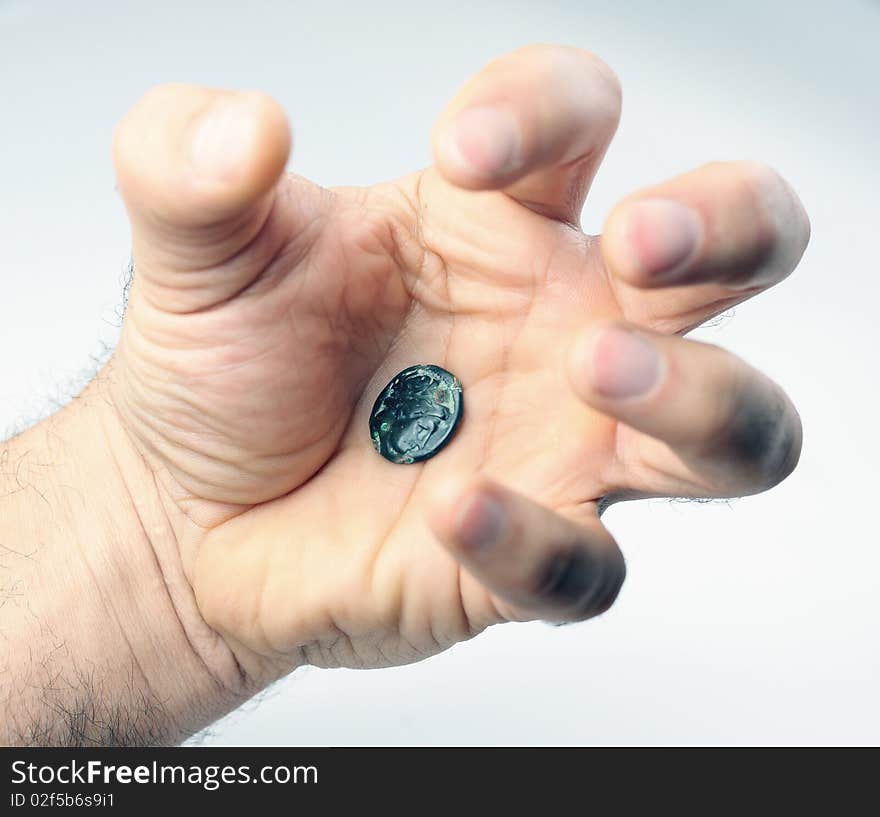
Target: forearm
{"type": "Point", "coordinates": [101, 642]}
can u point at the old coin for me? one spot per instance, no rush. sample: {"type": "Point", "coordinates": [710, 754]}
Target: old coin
{"type": "Point", "coordinates": [416, 414]}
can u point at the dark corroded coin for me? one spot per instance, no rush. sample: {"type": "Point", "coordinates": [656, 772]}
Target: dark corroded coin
{"type": "Point", "coordinates": [416, 414]}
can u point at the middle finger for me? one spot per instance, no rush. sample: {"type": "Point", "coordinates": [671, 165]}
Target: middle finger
{"type": "Point", "coordinates": [680, 252]}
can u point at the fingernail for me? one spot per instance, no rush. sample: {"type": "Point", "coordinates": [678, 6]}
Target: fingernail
{"type": "Point", "coordinates": [664, 236]}
{"type": "Point", "coordinates": [485, 141]}
{"type": "Point", "coordinates": [224, 134]}
{"type": "Point", "coordinates": [623, 364]}
{"type": "Point", "coordinates": [482, 522]}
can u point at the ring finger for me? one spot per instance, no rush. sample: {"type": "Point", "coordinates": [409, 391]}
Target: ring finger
{"type": "Point", "coordinates": [695, 420]}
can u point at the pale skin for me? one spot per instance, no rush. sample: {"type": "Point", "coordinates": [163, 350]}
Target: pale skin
{"type": "Point", "coordinates": [219, 516]}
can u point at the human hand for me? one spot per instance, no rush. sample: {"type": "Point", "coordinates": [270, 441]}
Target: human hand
{"type": "Point", "coordinates": [266, 313]}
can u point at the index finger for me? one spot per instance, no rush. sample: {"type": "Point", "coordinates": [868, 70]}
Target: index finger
{"type": "Point", "coordinates": [534, 123]}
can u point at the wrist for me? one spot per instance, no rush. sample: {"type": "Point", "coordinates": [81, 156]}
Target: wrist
{"type": "Point", "coordinates": [107, 643]}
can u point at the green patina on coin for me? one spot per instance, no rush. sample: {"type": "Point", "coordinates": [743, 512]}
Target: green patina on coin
{"type": "Point", "coordinates": [416, 414]}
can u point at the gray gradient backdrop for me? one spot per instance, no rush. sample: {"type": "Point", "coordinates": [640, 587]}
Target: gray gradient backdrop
{"type": "Point", "coordinates": [750, 621]}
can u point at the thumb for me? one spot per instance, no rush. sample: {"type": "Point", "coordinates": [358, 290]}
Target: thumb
{"type": "Point", "coordinates": [197, 169]}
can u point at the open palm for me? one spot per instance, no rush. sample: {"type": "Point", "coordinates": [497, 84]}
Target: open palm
{"type": "Point", "coordinates": [267, 313]}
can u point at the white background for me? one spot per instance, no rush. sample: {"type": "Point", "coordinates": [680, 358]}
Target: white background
{"type": "Point", "coordinates": [749, 622]}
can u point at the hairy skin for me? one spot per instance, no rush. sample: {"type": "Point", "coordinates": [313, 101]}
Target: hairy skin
{"type": "Point", "coordinates": [93, 646]}
{"type": "Point", "coordinates": [219, 515]}
{"type": "Point", "coordinates": [86, 715]}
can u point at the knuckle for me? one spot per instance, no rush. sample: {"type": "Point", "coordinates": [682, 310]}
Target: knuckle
{"type": "Point", "coordinates": [615, 568]}
{"type": "Point", "coordinates": [759, 173]}
{"type": "Point", "coordinates": [579, 583]}
{"type": "Point", "coordinates": [129, 135]}
{"type": "Point", "coordinates": [607, 80]}
{"type": "Point", "coordinates": [609, 77]}
{"type": "Point", "coordinates": [761, 435]}
{"type": "Point", "coordinates": [161, 98]}
{"type": "Point", "coordinates": [758, 184]}
{"type": "Point", "coordinates": [163, 92]}
{"type": "Point", "coordinates": [547, 61]}
{"type": "Point", "coordinates": [771, 227]}
{"type": "Point", "coordinates": [762, 186]}
{"type": "Point", "coordinates": [782, 224]}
